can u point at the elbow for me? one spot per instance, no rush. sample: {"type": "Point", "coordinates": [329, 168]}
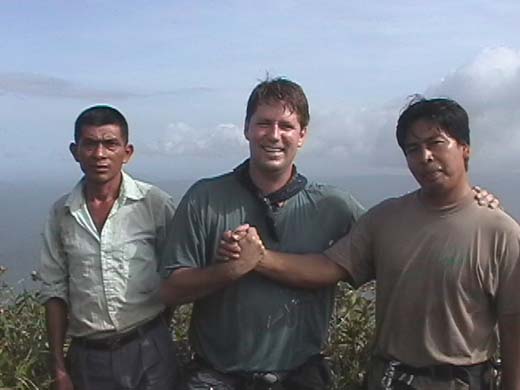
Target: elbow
{"type": "Point", "coordinates": [171, 294]}
{"type": "Point", "coordinates": [168, 294]}
{"type": "Point", "coordinates": [330, 274]}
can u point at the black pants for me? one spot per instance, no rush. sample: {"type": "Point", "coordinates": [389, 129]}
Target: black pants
{"type": "Point", "coordinates": [314, 374]}
{"type": "Point", "coordinates": [147, 363]}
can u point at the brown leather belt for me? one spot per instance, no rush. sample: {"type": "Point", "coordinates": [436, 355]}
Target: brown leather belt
{"type": "Point", "coordinates": [113, 342]}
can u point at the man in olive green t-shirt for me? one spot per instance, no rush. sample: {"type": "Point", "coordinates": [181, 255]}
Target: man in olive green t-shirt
{"type": "Point", "coordinates": [447, 270]}
{"type": "Point", "coordinates": [250, 327]}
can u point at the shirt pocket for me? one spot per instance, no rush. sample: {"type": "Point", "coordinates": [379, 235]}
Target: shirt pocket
{"type": "Point", "coordinates": [140, 257]}
{"type": "Point", "coordinates": [80, 255]}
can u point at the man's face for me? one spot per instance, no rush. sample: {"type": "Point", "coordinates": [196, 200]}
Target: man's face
{"type": "Point", "coordinates": [275, 135]}
{"type": "Point", "coordinates": [101, 152]}
{"type": "Point", "coordinates": [437, 160]}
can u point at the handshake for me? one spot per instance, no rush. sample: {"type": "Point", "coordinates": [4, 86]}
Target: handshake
{"type": "Point", "coordinates": [243, 246]}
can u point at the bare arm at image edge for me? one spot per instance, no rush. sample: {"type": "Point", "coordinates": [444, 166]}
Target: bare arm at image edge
{"type": "Point", "coordinates": [56, 319]}
{"type": "Point", "coordinates": [509, 328]}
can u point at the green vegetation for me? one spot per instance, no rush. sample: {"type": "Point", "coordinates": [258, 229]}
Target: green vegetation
{"type": "Point", "coordinates": [23, 347]}
{"type": "Point", "coordinates": [24, 351]}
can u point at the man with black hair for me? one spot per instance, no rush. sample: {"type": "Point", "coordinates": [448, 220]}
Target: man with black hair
{"type": "Point", "coordinates": [99, 262]}
{"type": "Point", "coordinates": [248, 330]}
{"type": "Point", "coordinates": [447, 270]}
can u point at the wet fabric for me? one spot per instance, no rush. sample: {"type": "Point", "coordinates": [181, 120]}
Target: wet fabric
{"type": "Point", "coordinates": [257, 324]}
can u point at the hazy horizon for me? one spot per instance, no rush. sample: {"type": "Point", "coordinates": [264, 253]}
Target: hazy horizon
{"type": "Point", "coordinates": [26, 205]}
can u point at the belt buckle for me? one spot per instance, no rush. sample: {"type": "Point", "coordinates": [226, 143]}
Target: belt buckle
{"type": "Point", "coordinates": [268, 378]}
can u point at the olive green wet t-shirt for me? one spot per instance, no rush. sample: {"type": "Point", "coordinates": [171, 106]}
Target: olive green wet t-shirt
{"type": "Point", "coordinates": [257, 324]}
{"type": "Point", "coordinates": [443, 277]}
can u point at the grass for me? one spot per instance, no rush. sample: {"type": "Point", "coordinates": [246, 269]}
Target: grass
{"type": "Point", "coordinates": [24, 349]}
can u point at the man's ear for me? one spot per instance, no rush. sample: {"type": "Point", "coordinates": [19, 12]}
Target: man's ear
{"type": "Point", "coordinates": [466, 151]}
{"type": "Point", "coordinates": [74, 150]}
{"type": "Point", "coordinates": [129, 150]}
{"type": "Point", "coordinates": [303, 137]}
{"type": "Point", "coordinates": [246, 130]}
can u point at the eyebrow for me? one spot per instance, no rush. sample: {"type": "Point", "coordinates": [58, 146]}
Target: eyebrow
{"type": "Point", "coordinates": [100, 139]}
{"type": "Point", "coordinates": [419, 141]}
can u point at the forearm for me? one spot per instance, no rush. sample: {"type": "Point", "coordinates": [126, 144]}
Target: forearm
{"type": "Point", "coordinates": [56, 319]}
{"type": "Point", "coordinates": [186, 285]}
{"type": "Point", "coordinates": [509, 327]}
{"type": "Point", "coordinates": [302, 271]}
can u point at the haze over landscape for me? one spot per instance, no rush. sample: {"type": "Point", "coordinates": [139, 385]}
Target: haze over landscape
{"type": "Point", "coordinates": [182, 71]}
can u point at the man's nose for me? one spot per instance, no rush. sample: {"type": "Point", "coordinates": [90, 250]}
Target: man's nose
{"type": "Point", "coordinates": [274, 131]}
{"type": "Point", "coordinates": [100, 150]}
{"type": "Point", "coordinates": [425, 154]}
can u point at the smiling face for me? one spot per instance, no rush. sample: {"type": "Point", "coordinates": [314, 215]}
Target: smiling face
{"type": "Point", "coordinates": [101, 152]}
{"type": "Point", "coordinates": [275, 135]}
{"type": "Point", "coordinates": [437, 161]}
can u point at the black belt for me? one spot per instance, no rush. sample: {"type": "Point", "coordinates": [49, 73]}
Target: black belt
{"type": "Point", "coordinates": [113, 342]}
{"type": "Point", "coordinates": [400, 372]}
{"type": "Point", "coordinates": [445, 371]}
{"type": "Point", "coordinates": [243, 380]}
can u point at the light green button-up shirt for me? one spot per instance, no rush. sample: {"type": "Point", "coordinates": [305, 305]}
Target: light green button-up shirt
{"type": "Point", "coordinates": [109, 280]}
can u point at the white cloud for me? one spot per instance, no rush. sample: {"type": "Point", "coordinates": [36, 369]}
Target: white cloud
{"type": "Point", "coordinates": [180, 139]}
{"type": "Point", "coordinates": [354, 140]}
{"type": "Point", "coordinates": [488, 87]}
{"type": "Point", "coordinates": [40, 85]}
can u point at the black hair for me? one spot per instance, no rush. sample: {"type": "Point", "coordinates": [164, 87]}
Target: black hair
{"type": "Point", "coordinates": [446, 113]}
{"type": "Point", "coordinates": [100, 115]}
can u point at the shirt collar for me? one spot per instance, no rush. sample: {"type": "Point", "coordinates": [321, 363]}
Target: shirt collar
{"type": "Point", "coordinates": [129, 190]}
{"type": "Point", "coordinates": [295, 184]}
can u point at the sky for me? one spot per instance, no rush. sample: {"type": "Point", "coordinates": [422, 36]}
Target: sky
{"type": "Point", "coordinates": [181, 72]}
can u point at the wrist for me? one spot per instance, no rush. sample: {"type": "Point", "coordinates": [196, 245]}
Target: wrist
{"type": "Point", "coordinates": [266, 262]}
{"type": "Point", "coordinates": [58, 364]}
{"type": "Point", "coordinates": [236, 269]}
{"type": "Point", "coordinates": [60, 372]}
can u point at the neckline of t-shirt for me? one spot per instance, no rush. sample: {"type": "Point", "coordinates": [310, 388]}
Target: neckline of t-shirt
{"type": "Point", "coordinates": [448, 209]}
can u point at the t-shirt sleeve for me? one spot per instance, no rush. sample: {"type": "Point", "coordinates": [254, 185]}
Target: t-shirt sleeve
{"type": "Point", "coordinates": [344, 210]}
{"type": "Point", "coordinates": [185, 243]}
{"type": "Point", "coordinates": [165, 212]}
{"type": "Point", "coordinates": [508, 279]}
{"type": "Point", "coordinates": [354, 252]}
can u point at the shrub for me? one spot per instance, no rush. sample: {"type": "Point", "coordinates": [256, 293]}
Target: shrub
{"type": "Point", "coordinates": [24, 351]}
{"type": "Point", "coordinates": [23, 347]}
{"type": "Point", "coordinates": [351, 334]}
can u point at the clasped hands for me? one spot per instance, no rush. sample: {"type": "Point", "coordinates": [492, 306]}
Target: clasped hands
{"type": "Point", "coordinates": [243, 244]}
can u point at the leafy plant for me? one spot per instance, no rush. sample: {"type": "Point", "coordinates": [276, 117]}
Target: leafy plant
{"type": "Point", "coordinates": [351, 334]}
{"type": "Point", "coordinates": [23, 346]}
{"type": "Point", "coordinates": [24, 351]}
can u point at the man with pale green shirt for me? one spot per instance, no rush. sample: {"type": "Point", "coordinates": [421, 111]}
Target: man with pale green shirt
{"type": "Point", "coordinates": [99, 261]}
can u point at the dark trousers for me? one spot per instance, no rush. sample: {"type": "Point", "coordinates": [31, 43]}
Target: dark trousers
{"type": "Point", "coordinates": [314, 374]}
{"type": "Point", "coordinates": [144, 363]}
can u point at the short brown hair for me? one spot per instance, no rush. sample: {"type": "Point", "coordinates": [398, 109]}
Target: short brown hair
{"type": "Point", "coordinates": [277, 90]}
